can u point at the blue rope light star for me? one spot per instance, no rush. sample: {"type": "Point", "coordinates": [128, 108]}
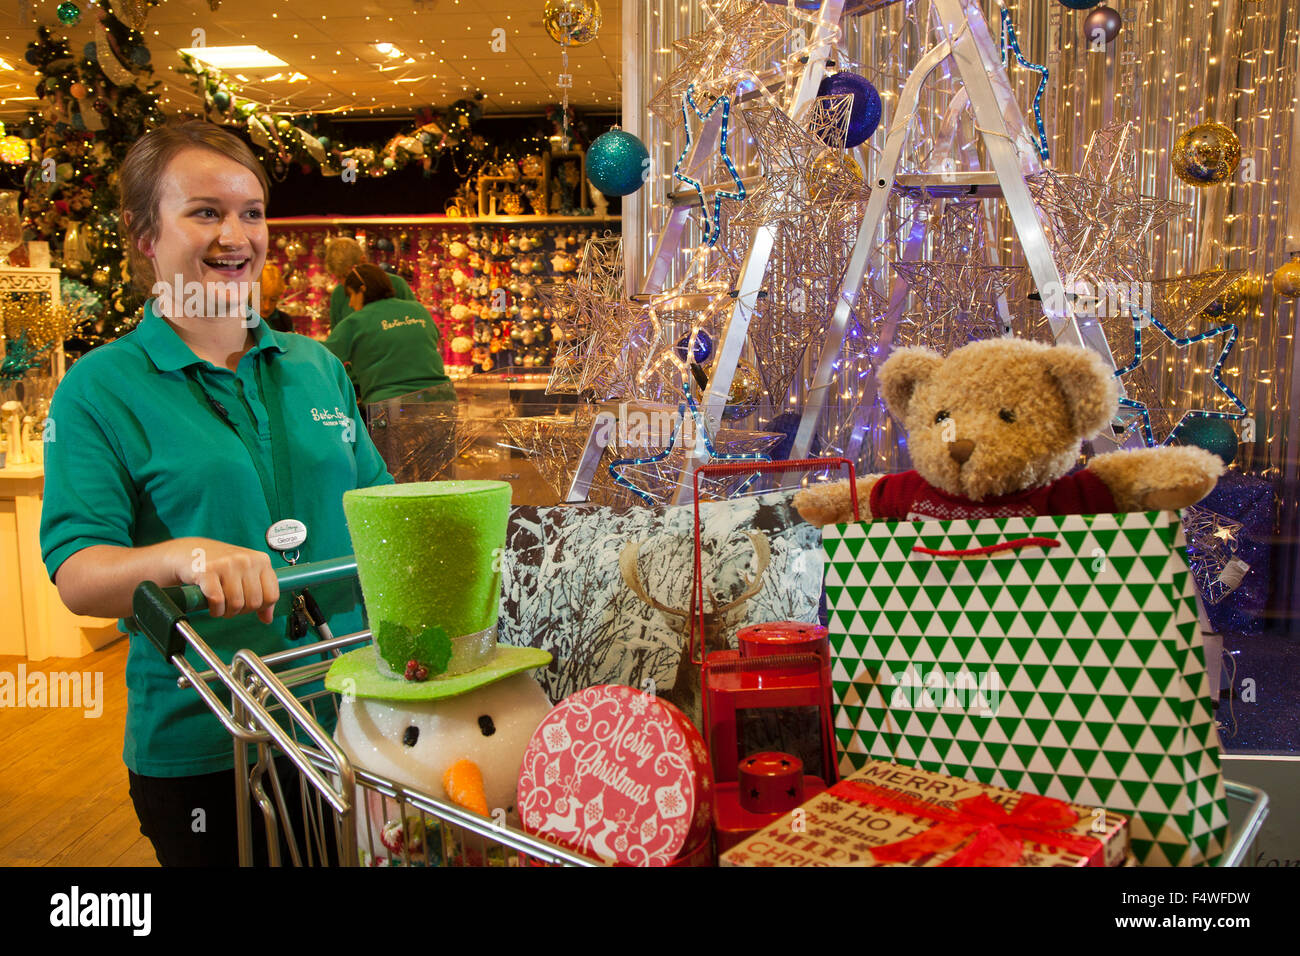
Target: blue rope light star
{"type": "Point", "coordinates": [647, 460]}
{"type": "Point", "coordinates": [703, 432]}
{"type": "Point", "coordinates": [1009, 40]}
{"type": "Point", "coordinates": [708, 442]}
{"type": "Point", "coordinates": [712, 225]}
{"type": "Point", "coordinates": [1139, 315]}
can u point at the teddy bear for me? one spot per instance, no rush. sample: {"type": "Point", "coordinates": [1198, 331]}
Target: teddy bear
{"type": "Point", "coordinates": [993, 431]}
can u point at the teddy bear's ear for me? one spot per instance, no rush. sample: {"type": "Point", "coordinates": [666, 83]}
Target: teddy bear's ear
{"type": "Point", "coordinates": [1091, 395]}
{"type": "Point", "coordinates": [905, 369]}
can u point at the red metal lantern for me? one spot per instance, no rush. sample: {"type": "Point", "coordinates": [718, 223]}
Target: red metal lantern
{"type": "Point", "coordinates": [767, 716]}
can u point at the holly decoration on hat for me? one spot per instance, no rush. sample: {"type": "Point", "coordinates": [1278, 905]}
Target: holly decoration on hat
{"type": "Point", "coordinates": [417, 656]}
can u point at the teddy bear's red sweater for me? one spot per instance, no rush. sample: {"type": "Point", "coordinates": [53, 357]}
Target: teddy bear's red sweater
{"type": "Point", "coordinates": [907, 496]}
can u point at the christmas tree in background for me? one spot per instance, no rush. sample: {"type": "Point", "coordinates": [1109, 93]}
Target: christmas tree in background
{"type": "Point", "coordinates": [93, 107]}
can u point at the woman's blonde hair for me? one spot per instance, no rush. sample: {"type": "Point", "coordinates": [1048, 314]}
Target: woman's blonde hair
{"type": "Point", "coordinates": [342, 254]}
{"type": "Point", "coordinates": [272, 281]}
{"type": "Point", "coordinates": [140, 180]}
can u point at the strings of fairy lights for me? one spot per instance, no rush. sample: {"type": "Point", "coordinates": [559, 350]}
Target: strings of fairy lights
{"type": "Point", "coordinates": [1251, 62]}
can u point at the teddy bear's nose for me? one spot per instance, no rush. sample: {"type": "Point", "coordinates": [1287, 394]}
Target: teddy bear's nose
{"type": "Point", "coordinates": [961, 450]}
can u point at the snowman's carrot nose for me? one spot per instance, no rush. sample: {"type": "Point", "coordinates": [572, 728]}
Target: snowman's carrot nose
{"type": "Point", "coordinates": [463, 782]}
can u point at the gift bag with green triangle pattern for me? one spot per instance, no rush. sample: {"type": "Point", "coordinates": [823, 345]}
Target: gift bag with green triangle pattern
{"type": "Point", "coordinates": [1071, 667]}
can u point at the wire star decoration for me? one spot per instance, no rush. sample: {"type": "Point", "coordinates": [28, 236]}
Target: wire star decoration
{"type": "Point", "coordinates": [813, 199]}
{"type": "Point", "coordinates": [554, 445]}
{"type": "Point", "coordinates": [1211, 551]}
{"type": "Point", "coordinates": [1177, 302]}
{"type": "Point", "coordinates": [743, 40]}
{"type": "Point", "coordinates": [1097, 221]}
{"type": "Point", "coordinates": [804, 180]}
{"type": "Point", "coordinates": [598, 316]}
{"type": "Point", "coordinates": [693, 433]}
{"type": "Point", "coordinates": [958, 290]}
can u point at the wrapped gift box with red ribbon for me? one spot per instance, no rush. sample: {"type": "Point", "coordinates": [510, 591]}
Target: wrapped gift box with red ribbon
{"type": "Point", "coordinates": [890, 815]}
{"type": "Point", "coordinates": [620, 775]}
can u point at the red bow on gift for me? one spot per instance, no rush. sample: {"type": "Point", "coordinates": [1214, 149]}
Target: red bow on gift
{"type": "Point", "coordinates": [997, 836]}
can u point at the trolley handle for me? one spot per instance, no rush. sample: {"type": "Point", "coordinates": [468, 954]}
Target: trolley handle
{"type": "Point", "coordinates": [189, 599]}
{"type": "Point", "coordinates": [157, 610]}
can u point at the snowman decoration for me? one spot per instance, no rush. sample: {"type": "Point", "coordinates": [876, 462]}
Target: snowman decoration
{"type": "Point", "coordinates": [464, 749]}
{"type": "Point", "coordinates": [436, 705]}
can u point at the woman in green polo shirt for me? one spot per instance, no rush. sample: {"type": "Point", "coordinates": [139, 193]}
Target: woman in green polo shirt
{"type": "Point", "coordinates": [391, 346]}
{"type": "Point", "coordinates": [342, 254]}
{"type": "Point", "coordinates": [172, 451]}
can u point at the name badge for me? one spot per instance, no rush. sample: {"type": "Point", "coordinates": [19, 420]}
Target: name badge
{"type": "Point", "coordinates": [286, 535]}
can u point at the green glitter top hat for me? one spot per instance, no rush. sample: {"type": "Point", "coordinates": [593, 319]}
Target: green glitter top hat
{"type": "Point", "coordinates": [429, 562]}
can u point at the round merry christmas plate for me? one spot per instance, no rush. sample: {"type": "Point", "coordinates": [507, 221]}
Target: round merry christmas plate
{"type": "Point", "coordinates": [619, 775]}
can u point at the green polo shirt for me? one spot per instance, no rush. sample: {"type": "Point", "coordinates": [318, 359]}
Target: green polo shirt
{"type": "Point", "coordinates": [136, 456]}
{"type": "Point", "coordinates": [392, 348]}
{"type": "Point", "coordinates": [340, 309]}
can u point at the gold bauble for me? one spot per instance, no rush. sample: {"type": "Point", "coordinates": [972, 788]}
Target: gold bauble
{"type": "Point", "coordinates": [1206, 154]}
{"type": "Point", "coordinates": [13, 149]}
{"type": "Point", "coordinates": [746, 391]}
{"type": "Point", "coordinates": [1286, 280]}
{"type": "Point", "coordinates": [1243, 291]}
{"type": "Point", "coordinates": [572, 22]}
{"type": "Point", "coordinates": [828, 167]}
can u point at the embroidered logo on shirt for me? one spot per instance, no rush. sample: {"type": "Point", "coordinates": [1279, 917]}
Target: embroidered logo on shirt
{"type": "Point", "coordinates": [327, 417]}
{"type": "Point", "coordinates": [387, 324]}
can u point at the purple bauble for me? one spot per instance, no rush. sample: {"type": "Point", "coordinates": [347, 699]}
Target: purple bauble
{"type": "Point", "coordinates": [1100, 27]}
{"type": "Point", "coordinates": [864, 116]}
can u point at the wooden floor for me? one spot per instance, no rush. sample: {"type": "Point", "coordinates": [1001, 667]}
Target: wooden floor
{"type": "Point", "coordinates": [63, 787]}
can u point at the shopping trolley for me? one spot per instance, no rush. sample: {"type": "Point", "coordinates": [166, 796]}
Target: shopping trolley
{"type": "Point", "coordinates": [275, 710]}
{"type": "Point", "coordinates": [278, 710]}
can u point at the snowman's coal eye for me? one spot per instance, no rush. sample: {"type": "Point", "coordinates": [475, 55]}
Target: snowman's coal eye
{"type": "Point", "coordinates": [485, 724]}
{"type": "Point", "coordinates": [411, 736]}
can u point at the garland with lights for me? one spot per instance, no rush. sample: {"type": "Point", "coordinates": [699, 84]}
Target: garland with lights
{"type": "Point", "coordinates": [92, 109]}
{"type": "Point", "coordinates": [286, 138]}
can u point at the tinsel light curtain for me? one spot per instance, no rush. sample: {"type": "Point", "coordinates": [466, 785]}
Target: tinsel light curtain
{"type": "Point", "coordinates": [1171, 66]}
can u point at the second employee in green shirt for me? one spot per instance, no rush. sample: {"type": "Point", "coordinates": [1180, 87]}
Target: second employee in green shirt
{"type": "Point", "coordinates": [391, 346]}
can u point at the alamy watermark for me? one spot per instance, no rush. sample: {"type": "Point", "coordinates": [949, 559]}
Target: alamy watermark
{"type": "Point", "coordinates": [209, 299]}
{"type": "Point", "coordinates": [75, 909]}
{"type": "Point", "coordinates": [966, 690]}
{"type": "Point", "coordinates": [79, 690]}
{"type": "Point", "coordinates": [649, 429]}
{"type": "Point", "coordinates": [1099, 299]}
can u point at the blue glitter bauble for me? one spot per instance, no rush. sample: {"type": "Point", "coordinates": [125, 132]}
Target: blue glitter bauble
{"type": "Point", "coordinates": [69, 13]}
{"type": "Point", "coordinates": [1080, 4]}
{"type": "Point", "coordinates": [787, 423]}
{"type": "Point", "coordinates": [1215, 435]}
{"type": "Point", "coordinates": [703, 347]}
{"type": "Point", "coordinates": [618, 163]}
{"type": "Point", "coordinates": [140, 55]}
{"type": "Point", "coordinates": [864, 116]}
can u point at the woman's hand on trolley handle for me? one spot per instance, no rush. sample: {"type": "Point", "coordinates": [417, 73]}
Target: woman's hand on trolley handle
{"type": "Point", "coordinates": [101, 580]}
